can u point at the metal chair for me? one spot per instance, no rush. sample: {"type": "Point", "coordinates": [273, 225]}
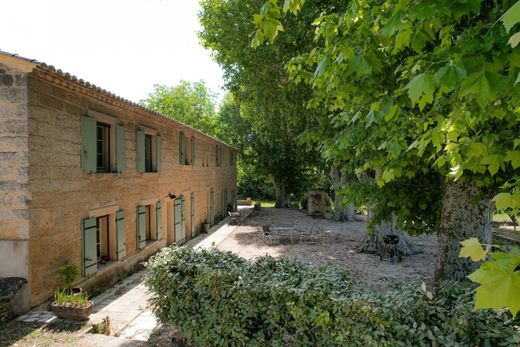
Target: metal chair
{"type": "Point", "coordinates": [267, 233]}
{"type": "Point", "coordinates": [307, 234]}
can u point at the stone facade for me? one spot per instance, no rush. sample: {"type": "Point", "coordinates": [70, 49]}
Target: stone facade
{"type": "Point", "coordinates": [46, 195]}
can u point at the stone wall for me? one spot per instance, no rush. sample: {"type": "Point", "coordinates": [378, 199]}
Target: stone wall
{"type": "Point", "coordinates": [62, 195]}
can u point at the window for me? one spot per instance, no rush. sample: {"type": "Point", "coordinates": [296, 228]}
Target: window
{"type": "Point", "coordinates": [149, 223]}
{"type": "Point", "coordinates": [186, 150]}
{"type": "Point", "coordinates": [217, 155]}
{"type": "Point", "coordinates": [102, 144]}
{"type": "Point", "coordinates": [102, 240]}
{"type": "Point", "coordinates": [149, 151]}
{"type": "Point", "coordinates": [102, 147]}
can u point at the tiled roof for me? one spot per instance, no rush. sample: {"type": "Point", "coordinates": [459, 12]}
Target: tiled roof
{"type": "Point", "coordinates": [74, 79]}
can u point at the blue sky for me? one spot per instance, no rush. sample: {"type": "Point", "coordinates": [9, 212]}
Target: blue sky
{"type": "Point", "coordinates": [124, 46]}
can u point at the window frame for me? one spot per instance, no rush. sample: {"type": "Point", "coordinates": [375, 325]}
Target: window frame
{"type": "Point", "coordinates": [106, 150]}
{"type": "Point", "coordinates": [112, 122]}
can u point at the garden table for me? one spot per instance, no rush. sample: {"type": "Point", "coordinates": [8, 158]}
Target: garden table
{"type": "Point", "coordinates": [284, 229]}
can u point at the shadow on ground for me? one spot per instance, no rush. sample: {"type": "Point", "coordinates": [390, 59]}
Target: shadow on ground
{"type": "Point", "coordinates": [38, 334]}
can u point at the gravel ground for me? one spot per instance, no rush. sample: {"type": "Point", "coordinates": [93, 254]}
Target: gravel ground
{"type": "Point", "coordinates": [337, 243]}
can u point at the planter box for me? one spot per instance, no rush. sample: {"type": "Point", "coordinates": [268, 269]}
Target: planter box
{"type": "Point", "coordinates": [72, 312]}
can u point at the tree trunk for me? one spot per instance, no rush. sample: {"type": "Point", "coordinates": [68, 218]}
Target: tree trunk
{"type": "Point", "coordinates": [281, 194]}
{"type": "Point", "coordinates": [374, 241]}
{"type": "Point", "coordinates": [466, 212]}
{"type": "Point", "coordinates": [341, 213]}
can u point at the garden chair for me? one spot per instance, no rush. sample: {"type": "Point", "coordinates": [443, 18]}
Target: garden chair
{"type": "Point", "coordinates": [307, 234]}
{"type": "Point", "coordinates": [268, 234]}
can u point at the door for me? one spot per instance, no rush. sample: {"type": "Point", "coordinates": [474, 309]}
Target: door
{"type": "Point", "coordinates": [211, 212]}
{"type": "Point", "coordinates": [192, 214]}
{"type": "Point", "coordinates": [179, 234]}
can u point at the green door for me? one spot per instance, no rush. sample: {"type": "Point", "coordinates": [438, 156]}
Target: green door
{"type": "Point", "coordinates": [121, 236]}
{"type": "Point", "coordinates": [179, 235]}
{"type": "Point", "coordinates": [211, 214]}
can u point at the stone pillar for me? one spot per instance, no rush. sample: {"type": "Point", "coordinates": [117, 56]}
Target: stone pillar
{"type": "Point", "coordinates": [316, 203]}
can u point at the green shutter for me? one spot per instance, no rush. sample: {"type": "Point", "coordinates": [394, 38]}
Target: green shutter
{"type": "Point", "coordinates": [88, 144]}
{"type": "Point", "coordinates": [183, 214]}
{"type": "Point", "coordinates": [141, 237]}
{"type": "Point", "coordinates": [193, 150]}
{"type": "Point", "coordinates": [121, 235]}
{"type": "Point", "coordinates": [120, 148]}
{"type": "Point", "coordinates": [140, 151]}
{"type": "Point", "coordinates": [158, 224]}
{"type": "Point", "coordinates": [179, 232]}
{"type": "Point", "coordinates": [192, 214]}
{"type": "Point", "coordinates": [158, 152]}
{"type": "Point", "coordinates": [211, 212]}
{"type": "Point", "coordinates": [181, 148]}
{"type": "Point", "coordinates": [89, 246]}
{"type": "Point", "coordinates": [224, 203]}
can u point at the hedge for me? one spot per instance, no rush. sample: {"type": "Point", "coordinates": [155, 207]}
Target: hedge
{"type": "Point", "coordinates": [216, 298]}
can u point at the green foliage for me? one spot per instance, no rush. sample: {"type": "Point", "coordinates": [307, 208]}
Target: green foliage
{"type": "Point", "coordinates": [227, 300]}
{"type": "Point", "coordinates": [266, 112]}
{"type": "Point", "coordinates": [66, 298]}
{"type": "Point", "coordinates": [190, 103]}
{"type": "Point", "coordinates": [498, 278]}
{"type": "Point", "coordinates": [69, 273]}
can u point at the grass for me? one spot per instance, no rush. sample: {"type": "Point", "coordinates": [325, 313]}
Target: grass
{"type": "Point", "coordinates": [22, 334]}
{"type": "Point", "coordinates": [268, 203]}
{"type": "Point", "coordinates": [498, 217]}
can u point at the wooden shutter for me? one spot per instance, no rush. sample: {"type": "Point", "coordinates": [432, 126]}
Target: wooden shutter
{"type": "Point", "coordinates": [141, 230]}
{"type": "Point", "coordinates": [211, 208]}
{"type": "Point", "coordinates": [216, 156]}
{"type": "Point", "coordinates": [121, 235]}
{"type": "Point", "coordinates": [158, 153]}
{"type": "Point", "coordinates": [181, 148]}
{"type": "Point", "coordinates": [192, 214]}
{"type": "Point", "coordinates": [183, 214]}
{"type": "Point", "coordinates": [120, 148]}
{"type": "Point", "coordinates": [224, 203]}
{"type": "Point", "coordinates": [88, 144]}
{"type": "Point", "coordinates": [158, 224]}
{"type": "Point", "coordinates": [89, 246]}
{"type": "Point", "coordinates": [140, 151]}
{"type": "Point", "coordinates": [193, 150]}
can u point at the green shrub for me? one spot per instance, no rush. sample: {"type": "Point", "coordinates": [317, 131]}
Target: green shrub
{"type": "Point", "coordinates": [68, 275]}
{"type": "Point", "coordinates": [218, 299]}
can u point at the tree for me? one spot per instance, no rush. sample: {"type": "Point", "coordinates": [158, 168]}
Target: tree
{"type": "Point", "coordinates": [190, 103]}
{"type": "Point", "coordinates": [271, 104]}
{"type": "Point", "coordinates": [434, 87]}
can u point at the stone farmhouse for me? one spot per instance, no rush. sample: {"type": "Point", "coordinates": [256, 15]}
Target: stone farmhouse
{"type": "Point", "coordinates": [95, 180]}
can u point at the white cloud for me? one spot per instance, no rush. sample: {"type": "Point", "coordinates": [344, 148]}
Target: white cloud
{"type": "Point", "coordinates": [124, 46]}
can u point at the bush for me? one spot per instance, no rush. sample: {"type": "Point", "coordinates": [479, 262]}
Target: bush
{"type": "Point", "coordinates": [218, 299]}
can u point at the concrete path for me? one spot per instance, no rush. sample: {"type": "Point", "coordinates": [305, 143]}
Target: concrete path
{"type": "Point", "coordinates": [126, 303]}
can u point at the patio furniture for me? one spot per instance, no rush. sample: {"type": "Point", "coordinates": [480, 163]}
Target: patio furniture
{"type": "Point", "coordinates": [307, 233]}
{"type": "Point", "coordinates": [235, 217]}
{"type": "Point", "coordinates": [284, 229]}
{"type": "Point", "coordinates": [268, 234]}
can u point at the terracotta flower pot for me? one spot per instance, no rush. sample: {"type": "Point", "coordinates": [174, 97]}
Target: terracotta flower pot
{"type": "Point", "coordinates": [69, 311]}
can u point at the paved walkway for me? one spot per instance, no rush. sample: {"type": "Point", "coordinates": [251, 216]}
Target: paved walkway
{"type": "Point", "coordinates": [126, 303]}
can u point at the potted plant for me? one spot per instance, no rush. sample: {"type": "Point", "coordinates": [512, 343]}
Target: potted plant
{"type": "Point", "coordinates": [205, 226]}
{"type": "Point", "coordinates": [71, 306]}
{"type": "Point", "coordinates": [68, 275]}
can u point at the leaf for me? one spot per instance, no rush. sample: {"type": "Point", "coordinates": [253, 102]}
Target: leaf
{"type": "Point", "coordinates": [512, 16]}
{"type": "Point", "coordinates": [420, 85]}
{"type": "Point", "coordinates": [514, 158]}
{"type": "Point", "coordinates": [493, 162]}
{"type": "Point", "coordinates": [499, 282]}
{"type": "Point", "coordinates": [473, 249]}
{"type": "Point", "coordinates": [517, 79]}
{"type": "Point", "coordinates": [504, 201]}
{"type": "Point", "coordinates": [478, 85]}
{"type": "Point", "coordinates": [514, 40]}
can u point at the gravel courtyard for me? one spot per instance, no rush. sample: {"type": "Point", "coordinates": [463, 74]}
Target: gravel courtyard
{"type": "Point", "coordinates": [337, 243]}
